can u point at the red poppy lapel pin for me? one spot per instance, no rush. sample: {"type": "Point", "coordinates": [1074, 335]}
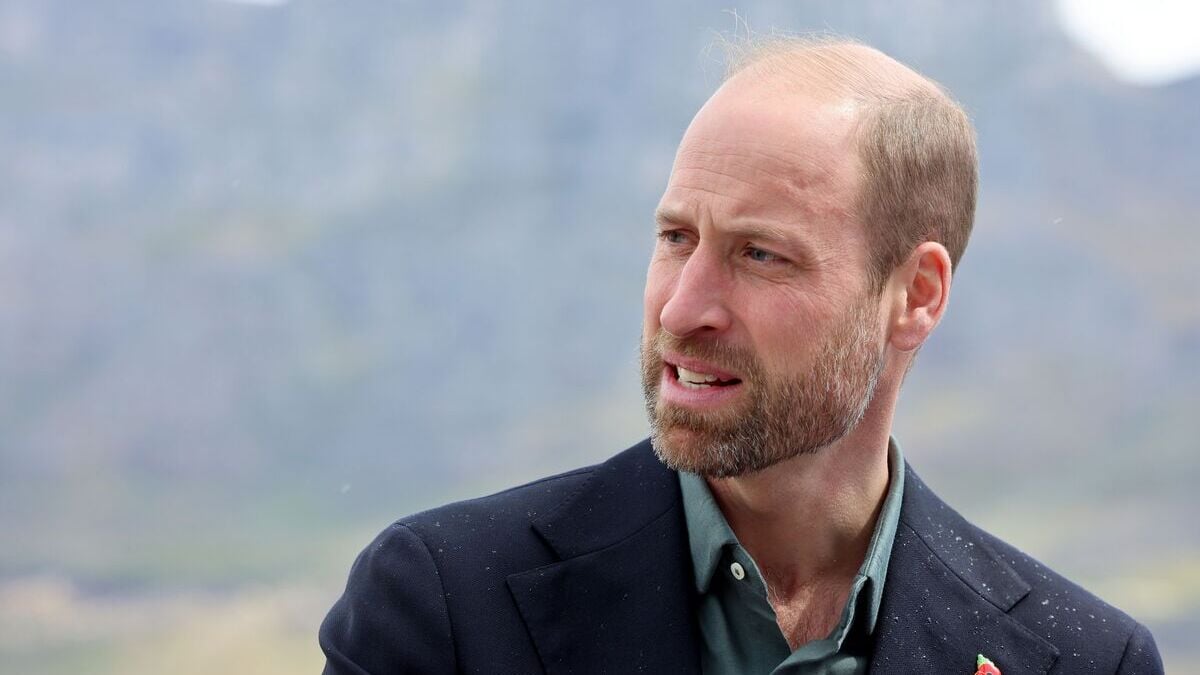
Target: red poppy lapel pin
{"type": "Point", "coordinates": [984, 666]}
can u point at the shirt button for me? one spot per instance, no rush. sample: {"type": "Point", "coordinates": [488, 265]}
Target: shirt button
{"type": "Point", "coordinates": [737, 571]}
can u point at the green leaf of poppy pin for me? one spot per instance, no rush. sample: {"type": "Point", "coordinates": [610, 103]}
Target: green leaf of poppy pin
{"type": "Point", "coordinates": [984, 666]}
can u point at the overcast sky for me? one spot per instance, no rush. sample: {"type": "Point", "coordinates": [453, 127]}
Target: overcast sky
{"type": "Point", "coordinates": [1147, 42]}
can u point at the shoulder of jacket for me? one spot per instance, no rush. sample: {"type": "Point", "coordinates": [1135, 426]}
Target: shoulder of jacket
{"type": "Point", "coordinates": [1076, 621]}
{"type": "Point", "coordinates": [512, 506]}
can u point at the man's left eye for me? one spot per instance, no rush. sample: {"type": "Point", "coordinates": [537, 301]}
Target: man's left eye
{"type": "Point", "coordinates": [759, 255]}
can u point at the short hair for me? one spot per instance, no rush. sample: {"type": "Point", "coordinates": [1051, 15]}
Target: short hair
{"type": "Point", "coordinates": [915, 143]}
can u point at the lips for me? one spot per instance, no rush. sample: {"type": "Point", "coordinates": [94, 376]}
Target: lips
{"type": "Point", "coordinates": [696, 380]}
{"type": "Point", "coordinates": [695, 371]}
{"type": "Point", "coordinates": [695, 384]}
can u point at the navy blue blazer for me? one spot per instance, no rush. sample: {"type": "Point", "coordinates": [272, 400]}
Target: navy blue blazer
{"type": "Point", "coordinates": [589, 572]}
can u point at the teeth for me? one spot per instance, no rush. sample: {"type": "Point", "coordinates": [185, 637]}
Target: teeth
{"type": "Point", "coordinates": [691, 377]}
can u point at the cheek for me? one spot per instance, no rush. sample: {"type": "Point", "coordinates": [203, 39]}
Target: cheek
{"type": "Point", "coordinates": [784, 327]}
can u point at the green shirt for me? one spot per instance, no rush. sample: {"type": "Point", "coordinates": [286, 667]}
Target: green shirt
{"type": "Point", "coordinates": [738, 631]}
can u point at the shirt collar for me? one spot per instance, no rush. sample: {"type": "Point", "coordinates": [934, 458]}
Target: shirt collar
{"type": "Point", "coordinates": [709, 533]}
{"type": "Point", "coordinates": [875, 565]}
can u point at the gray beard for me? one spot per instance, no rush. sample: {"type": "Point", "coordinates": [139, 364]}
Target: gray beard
{"type": "Point", "coordinates": [782, 418]}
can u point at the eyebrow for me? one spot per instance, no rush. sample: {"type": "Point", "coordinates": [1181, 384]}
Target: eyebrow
{"type": "Point", "coordinates": [762, 232]}
{"type": "Point", "coordinates": [666, 214]}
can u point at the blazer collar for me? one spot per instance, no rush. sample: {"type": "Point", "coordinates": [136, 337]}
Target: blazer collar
{"type": "Point", "coordinates": [620, 599]}
{"type": "Point", "coordinates": [947, 597]}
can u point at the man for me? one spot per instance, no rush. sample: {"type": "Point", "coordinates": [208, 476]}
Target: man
{"type": "Point", "coordinates": [817, 207]}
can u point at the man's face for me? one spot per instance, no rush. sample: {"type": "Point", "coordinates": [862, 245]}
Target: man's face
{"type": "Point", "coordinates": [760, 338]}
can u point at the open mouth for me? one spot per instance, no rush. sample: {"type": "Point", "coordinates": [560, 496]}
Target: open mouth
{"type": "Point", "coordinates": [691, 379]}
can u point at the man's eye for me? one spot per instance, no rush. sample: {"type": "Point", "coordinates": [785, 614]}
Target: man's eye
{"type": "Point", "coordinates": [672, 236]}
{"type": "Point", "coordinates": [759, 255]}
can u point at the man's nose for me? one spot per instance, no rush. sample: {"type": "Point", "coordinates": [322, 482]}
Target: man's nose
{"type": "Point", "coordinates": [699, 301]}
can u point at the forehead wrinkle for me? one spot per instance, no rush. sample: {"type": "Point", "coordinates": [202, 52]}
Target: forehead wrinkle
{"type": "Point", "coordinates": [801, 204]}
{"type": "Point", "coordinates": [683, 184]}
{"type": "Point", "coordinates": [791, 172]}
{"type": "Point", "coordinates": [794, 165]}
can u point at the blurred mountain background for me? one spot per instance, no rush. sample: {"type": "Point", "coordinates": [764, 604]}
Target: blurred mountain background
{"type": "Point", "coordinates": [275, 274]}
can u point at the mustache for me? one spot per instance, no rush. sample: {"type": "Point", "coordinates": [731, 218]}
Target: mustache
{"type": "Point", "coordinates": [720, 354]}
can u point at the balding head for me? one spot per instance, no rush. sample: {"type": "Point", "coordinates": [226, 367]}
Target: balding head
{"type": "Point", "coordinates": [837, 68]}
{"type": "Point", "coordinates": [916, 145]}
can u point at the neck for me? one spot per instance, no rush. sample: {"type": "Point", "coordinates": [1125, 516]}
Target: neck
{"type": "Point", "coordinates": [808, 520]}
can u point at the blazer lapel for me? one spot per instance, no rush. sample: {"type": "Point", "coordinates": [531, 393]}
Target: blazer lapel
{"type": "Point", "coordinates": [947, 596]}
{"type": "Point", "coordinates": [621, 599]}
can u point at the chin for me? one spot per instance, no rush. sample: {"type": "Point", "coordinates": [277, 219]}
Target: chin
{"type": "Point", "coordinates": [680, 448]}
{"type": "Point", "coordinates": [691, 451]}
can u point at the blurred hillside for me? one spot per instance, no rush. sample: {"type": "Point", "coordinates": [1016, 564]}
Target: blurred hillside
{"type": "Point", "coordinates": [271, 277]}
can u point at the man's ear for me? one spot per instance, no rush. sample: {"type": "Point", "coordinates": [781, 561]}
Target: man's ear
{"type": "Point", "coordinates": [921, 288]}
